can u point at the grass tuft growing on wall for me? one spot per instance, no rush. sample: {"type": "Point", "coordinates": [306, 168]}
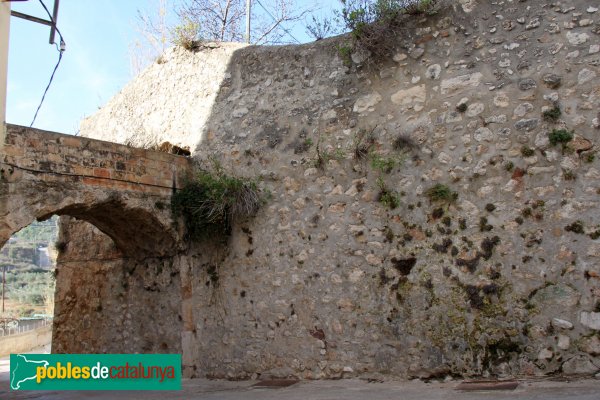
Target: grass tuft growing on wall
{"type": "Point", "coordinates": [212, 201]}
{"type": "Point", "coordinates": [441, 192]}
{"type": "Point", "coordinates": [562, 136]}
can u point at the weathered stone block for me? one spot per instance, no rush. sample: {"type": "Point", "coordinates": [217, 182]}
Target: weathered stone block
{"type": "Point", "coordinates": [590, 320]}
{"type": "Point", "coordinates": [461, 83]}
{"type": "Point", "coordinates": [410, 96]}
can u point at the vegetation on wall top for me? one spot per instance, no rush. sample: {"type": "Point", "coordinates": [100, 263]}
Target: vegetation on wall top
{"type": "Point", "coordinates": [213, 200]}
{"type": "Point", "coordinates": [374, 23]}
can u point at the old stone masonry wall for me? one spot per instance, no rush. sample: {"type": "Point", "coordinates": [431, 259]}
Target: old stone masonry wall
{"type": "Point", "coordinates": [355, 267]}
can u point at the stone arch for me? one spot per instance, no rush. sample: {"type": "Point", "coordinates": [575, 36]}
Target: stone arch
{"type": "Point", "coordinates": [122, 284]}
{"type": "Point", "coordinates": [120, 268]}
{"type": "Point", "coordinates": [123, 191]}
{"type": "Point", "coordinates": [139, 224]}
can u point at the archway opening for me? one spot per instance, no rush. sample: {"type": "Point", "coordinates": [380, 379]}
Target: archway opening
{"type": "Point", "coordinates": [109, 300]}
{"type": "Point", "coordinates": [27, 272]}
{"type": "Point", "coordinates": [117, 277]}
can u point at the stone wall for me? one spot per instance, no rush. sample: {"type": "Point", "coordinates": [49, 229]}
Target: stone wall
{"type": "Point", "coordinates": [94, 162]}
{"type": "Point", "coordinates": [108, 302]}
{"type": "Point", "coordinates": [328, 280]}
{"type": "Point", "coordinates": [195, 82]}
{"type": "Point", "coordinates": [25, 342]}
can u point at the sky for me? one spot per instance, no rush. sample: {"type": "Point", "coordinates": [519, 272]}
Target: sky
{"type": "Point", "coordinates": [95, 65]}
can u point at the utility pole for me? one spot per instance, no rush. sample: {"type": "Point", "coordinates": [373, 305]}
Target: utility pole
{"type": "Point", "coordinates": [248, 12]}
{"type": "Point", "coordinates": [3, 286]}
{"type": "Point", "coordinates": [4, 30]}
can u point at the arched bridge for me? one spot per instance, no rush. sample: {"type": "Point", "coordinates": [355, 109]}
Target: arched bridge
{"type": "Point", "coordinates": [123, 191]}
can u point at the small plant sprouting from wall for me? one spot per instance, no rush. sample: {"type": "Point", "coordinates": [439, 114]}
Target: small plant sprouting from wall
{"type": "Point", "coordinates": [527, 151]}
{"type": "Point", "coordinates": [387, 197]}
{"type": "Point", "coordinates": [552, 115]}
{"type": "Point", "coordinates": [185, 34]}
{"type": "Point", "coordinates": [576, 227]}
{"type": "Point", "coordinates": [590, 157]}
{"type": "Point", "coordinates": [363, 143]}
{"type": "Point", "coordinates": [325, 155]}
{"type": "Point", "coordinates": [302, 143]}
{"type": "Point", "coordinates": [441, 193]}
{"type": "Point", "coordinates": [404, 144]}
{"type": "Point", "coordinates": [383, 164]}
{"type": "Point", "coordinates": [569, 175]}
{"type": "Point", "coordinates": [561, 136]}
{"type": "Point", "coordinates": [320, 28]}
{"type": "Point", "coordinates": [345, 52]}
{"type": "Point", "coordinates": [213, 200]}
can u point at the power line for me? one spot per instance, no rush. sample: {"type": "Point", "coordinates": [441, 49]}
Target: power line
{"type": "Point", "coordinates": [275, 20]}
{"type": "Point", "coordinates": [47, 88]}
{"type": "Point", "coordinates": [60, 49]}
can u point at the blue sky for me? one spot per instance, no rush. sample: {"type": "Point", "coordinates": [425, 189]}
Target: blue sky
{"type": "Point", "coordinates": [95, 66]}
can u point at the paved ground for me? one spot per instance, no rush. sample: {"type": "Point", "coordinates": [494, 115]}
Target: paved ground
{"type": "Point", "coordinates": [348, 389]}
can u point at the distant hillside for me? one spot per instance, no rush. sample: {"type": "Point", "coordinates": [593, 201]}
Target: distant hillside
{"type": "Point", "coordinates": [32, 246]}
{"type": "Point", "coordinates": [29, 258]}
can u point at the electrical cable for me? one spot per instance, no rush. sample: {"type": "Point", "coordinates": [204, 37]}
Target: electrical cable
{"type": "Point", "coordinates": [47, 88]}
{"type": "Point", "coordinates": [275, 20]}
{"type": "Point", "coordinates": [61, 50]}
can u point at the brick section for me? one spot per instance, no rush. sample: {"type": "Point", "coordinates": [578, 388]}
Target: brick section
{"type": "Point", "coordinates": [95, 162]}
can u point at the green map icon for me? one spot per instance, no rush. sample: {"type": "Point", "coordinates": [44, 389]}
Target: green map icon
{"type": "Point", "coordinates": [23, 368]}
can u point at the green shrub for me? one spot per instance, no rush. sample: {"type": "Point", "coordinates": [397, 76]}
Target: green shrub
{"type": "Point", "coordinates": [387, 197]}
{"type": "Point", "coordinates": [590, 157]}
{"type": "Point", "coordinates": [552, 115]}
{"type": "Point", "coordinates": [345, 53]}
{"type": "Point", "coordinates": [324, 156]}
{"type": "Point", "coordinates": [576, 227]}
{"type": "Point", "coordinates": [562, 136]}
{"type": "Point", "coordinates": [441, 192]}
{"type": "Point", "coordinates": [212, 201]}
{"type": "Point", "coordinates": [383, 164]}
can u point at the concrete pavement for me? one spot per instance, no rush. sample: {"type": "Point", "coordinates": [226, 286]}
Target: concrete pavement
{"type": "Point", "coordinates": [348, 389]}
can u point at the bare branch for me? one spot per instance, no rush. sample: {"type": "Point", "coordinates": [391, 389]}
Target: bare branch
{"type": "Point", "coordinates": [153, 38]}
